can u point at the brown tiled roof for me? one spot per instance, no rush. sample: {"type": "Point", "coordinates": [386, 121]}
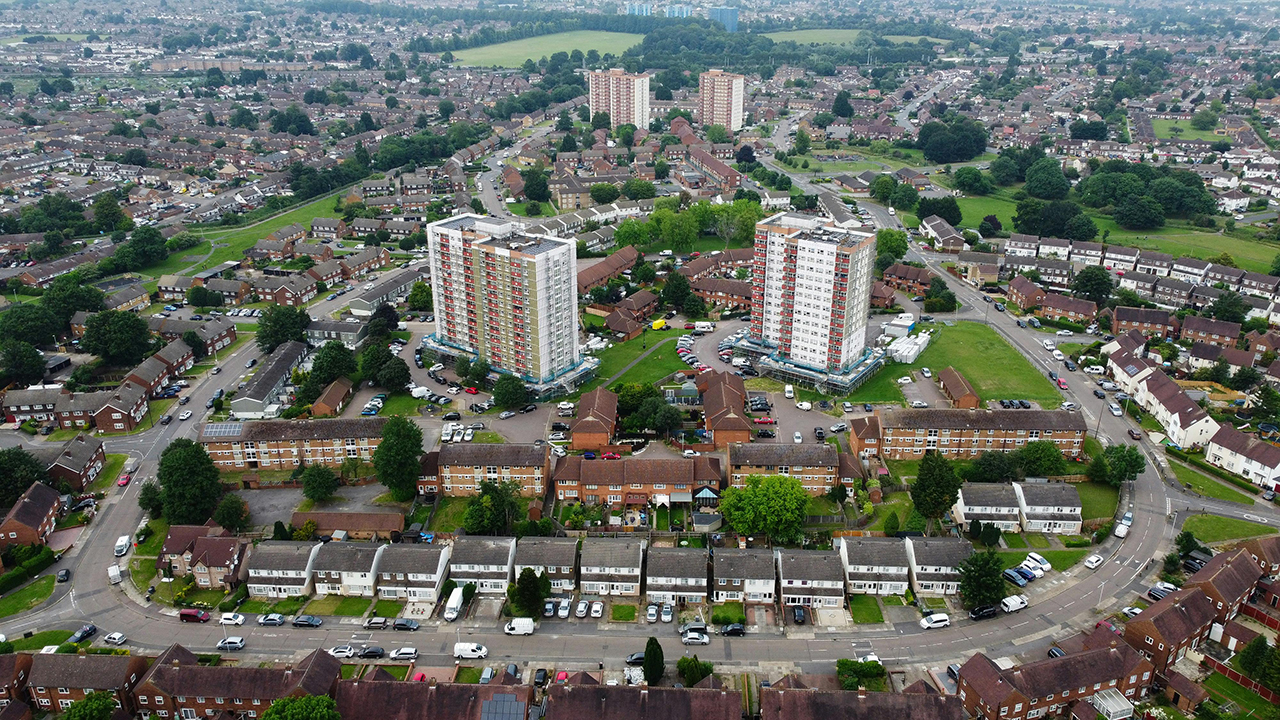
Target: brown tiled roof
{"type": "Point", "coordinates": [1233, 574]}
{"type": "Point", "coordinates": [694, 471]}
{"type": "Point", "coordinates": [177, 673]}
{"type": "Point", "coordinates": [182, 537]}
{"type": "Point", "coordinates": [808, 704]}
{"type": "Point", "coordinates": [1069, 304]}
{"type": "Point", "coordinates": [400, 700]}
{"type": "Point", "coordinates": [954, 385]}
{"type": "Point", "coordinates": [90, 672]}
{"type": "Point", "coordinates": [621, 702]}
{"type": "Point", "coordinates": [1197, 323]}
{"type": "Point", "coordinates": [806, 454]}
{"type": "Point", "coordinates": [597, 412]}
{"type": "Point", "coordinates": [1180, 614]}
{"type": "Point", "coordinates": [944, 418]}
{"type": "Point", "coordinates": [260, 430]}
{"type": "Point", "coordinates": [33, 507]}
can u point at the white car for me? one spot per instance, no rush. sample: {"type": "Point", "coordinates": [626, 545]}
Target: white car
{"type": "Point", "coordinates": [935, 620]}
{"type": "Point", "coordinates": [691, 454]}
{"type": "Point", "coordinates": [919, 404]}
{"type": "Point", "coordinates": [186, 415]}
{"type": "Point", "coordinates": [1033, 568]}
{"type": "Point", "coordinates": [1093, 561]}
{"type": "Point", "coordinates": [1040, 560]}
{"type": "Point", "coordinates": [1238, 217]}
{"type": "Point", "coordinates": [553, 437]}
{"type": "Point", "coordinates": [905, 380]}
{"type": "Point", "coordinates": [231, 619]}
{"type": "Point", "coordinates": [869, 657]}
{"type": "Point", "coordinates": [804, 405]}
{"type": "Point", "coordinates": [798, 437]}
{"type": "Point", "coordinates": [342, 651]}
{"type": "Point", "coordinates": [597, 609]}
{"type": "Point", "coordinates": [926, 372]}
{"type": "Point", "coordinates": [115, 639]}
{"type": "Point", "coordinates": [1127, 519]}
{"type": "Point", "coordinates": [1068, 405]}
{"type": "Point", "coordinates": [1114, 409]}
{"type": "Point", "coordinates": [695, 638]}
{"type": "Point", "coordinates": [1064, 333]}
{"type": "Point", "coordinates": [404, 654]}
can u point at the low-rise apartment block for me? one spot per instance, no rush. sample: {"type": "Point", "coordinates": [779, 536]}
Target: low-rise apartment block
{"type": "Point", "coordinates": [957, 433]}
{"type": "Point", "coordinates": [280, 444]}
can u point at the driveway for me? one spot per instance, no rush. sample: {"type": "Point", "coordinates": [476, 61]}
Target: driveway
{"type": "Point", "coordinates": [926, 390]}
{"type": "Point", "coordinates": [268, 506]}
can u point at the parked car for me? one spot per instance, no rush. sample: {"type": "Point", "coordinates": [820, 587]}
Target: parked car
{"type": "Point", "coordinates": [635, 658]}
{"type": "Point", "coordinates": [935, 620]}
{"type": "Point", "coordinates": [271, 619]}
{"type": "Point", "coordinates": [307, 621]}
{"type": "Point", "coordinates": [1014, 578]}
{"type": "Point", "coordinates": [797, 614]}
{"type": "Point", "coordinates": [84, 633]}
{"type": "Point", "coordinates": [983, 612]}
{"type": "Point", "coordinates": [406, 653]}
{"type": "Point", "coordinates": [583, 608]}
{"type": "Point", "coordinates": [1093, 561]}
{"type": "Point", "coordinates": [405, 625]}
{"type": "Point", "coordinates": [651, 614]}
{"type": "Point", "coordinates": [597, 609]}
{"type": "Point", "coordinates": [695, 638]}
{"type": "Point", "coordinates": [231, 644]}
{"type": "Point", "coordinates": [115, 638]}
{"type": "Point", "coordinates": [733, 630]}
{"type": "Point", "coordinates": [372, 652]}
{"type": "Point", "coordinates": [231, 619]}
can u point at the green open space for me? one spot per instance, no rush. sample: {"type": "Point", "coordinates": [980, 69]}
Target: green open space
{"type": "Point", "coordinates": [514, 53]}
{"type": "Point", "coordinates": [488, 437]}
{"type": "Point", "coordinates": [180, 260]}
{"type": "Point", "coordinates": [845, 166]}
{"type": "Point", "coordinates": [233, 243]}
{"type": "Point", "coordinates": [898, 503]}
{"type": "Point", "coordinates": [622, 613]}
{"type": "Point", "coordinates": [110, 472]}
{"type": "Point", "coordinates": [388, 608]}
{"type": "Point", "coordinates": [1037, 540]}
{"type": "Point", "coordinates": [287, 606]}
{"type": "Point", "coordinates": [986, 360]}
{"type": "Point", "coordinates": [1213, 528]}
{"type": "Point", "coordinates": [1207, 486]}
{"type": "Point", "coordinates": [912, 39]}
{"type": "Point", "coordinates": [1014, 540]}
{"type": "Point", "coordinates": [865, 609]}
{"type": "Point", "coordinates": [26, 598]}
{"type": "Point", "coordinates": [1164, 130]}
{"type": "Point", "coordinates": [973, 209]}
{"type": "Point", "coordinates": [401, 403]}
{"type": "Point", "coordinates": [1224, 689]}
{"type": "Point", "coordinates": [1097, 500]}
{"type": "Point", "coordinates": [727, 613]}
{"type": "Point", "coordinates": [61, 37]}
{"type": "Point", "coordinates": [40, 640]}
{"type": "Point", "coordinates": [151, 546]}
{"type": "Point", "coordinates": [325, 605]}
{"type": "Point", "coordinates": [448, 515]}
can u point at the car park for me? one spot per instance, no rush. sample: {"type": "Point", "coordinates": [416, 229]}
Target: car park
{"type": "Point", "coordinates": [839, 428]}
{"type": "Point", "coordinates": [797, 438]}
{"type": "Point", "coordinates": [847, 407]}
{"type": "Point", "coordinates": [1012, 576]}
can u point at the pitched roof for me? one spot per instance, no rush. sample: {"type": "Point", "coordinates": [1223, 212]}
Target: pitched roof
{"type": "Point", "coordinates": [1180, 614]}
{"type": "Point", "coordinates": [597, 412]}
{"type": "Point", "coordinates": [1058, 493]}
{"type": "Point", "coordinates": [513, 454]}
{"type": "Point", "coordinates": [745, 563]}
{"type": "Point", "coordinates": [954, 384]}
{"type": "Point", "coordinates": [175, 671]}
{"type": "Point", "coordinates": [471, 550]}
{"type": "Point", "coordinates": [346, 557]}
{"type": "Point", "coordinates": [763, 454]}
{"type": "Point", "coordinates": [944, 551]}
{"type": "Point", "coordinates": [399, 700]}
{"type": "Point", "coordinates": [809, 704]}
{"type": "Point", "coordinates": [379, 522]}
{"type": "Point", "coordinates": [946, 418]}
{"type": "Point", "coordinates": [622, 702]}
{"type": "Point", "coordinates": [546, 552]}
{"type": "Point", "coordinates": [1233, 574]}
{"type": "Point", "coordinates": [812, 565]}
{"type": "Point", "coordinates": [281, 555]}
{"type": "Point", "coordinates": [988, 495]}
{"type": "Point", "coordinates": [90, 672]}
{"type": "Point", "coordinates": [676, 562]}
{"type": "Point", "coordinates": [33, 506]}
{"type": "Point", "coordinates": [876, 551]}
{"type": "Point", "coordinates": [611, 552]}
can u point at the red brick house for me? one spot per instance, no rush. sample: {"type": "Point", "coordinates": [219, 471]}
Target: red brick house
{"type": "Point", "coordinates": [1215, 332]}
{"type": "Point", "coordinates": [597, 419]}
{"type": "Point", "coordinates": [907, 278]}
{"type": "Point", "coordinates": [57, 681]}
{"type": "Point", "coordinates": [78, 462]}
{"type": "Point", "coordinates": [1064, 307]}
{"type": "Point", "coordinates": [957, 389]}
{"type": "Point", "coordinates": [1148, 321]}
{"type": "Point", "coordinates": [31, 518]}
{"type": "Point", "coordinates": [1228, 579]}
{"type": "Point", "coordinates": [1165, 631]}
{"type": "Point", "coordinates": [123, 410]}
{"type": "Point", "coordinates": [15, 668]}
{"type": "Point", "coordinates": [1024, 293]}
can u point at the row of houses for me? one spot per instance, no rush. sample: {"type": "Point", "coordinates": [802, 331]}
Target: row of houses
{"type": "Point", "coordinates": [176, 684]}
{"type": "Point", "coordinates": [292, 290]}
{"type": "Point", "coordinates": [607, 566]}
{"type": "Point", "coordinates": [1184, 422]}
{"type": "Point", "coordinates": [1020, 507]}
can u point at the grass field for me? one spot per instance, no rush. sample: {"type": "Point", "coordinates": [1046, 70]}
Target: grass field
{"type": "Point", "coordinates": [865, 609]}
{"type": "Point", "coordinates": [973, 209]}
{"type": "Point", "coordinates": [514, 53]}
{"type": "Point", "coordinates": [352, 607]}
{"type": "Point", "coordinates": [40, 640]}
{"type": "Point", "coordinates": [1014, 540]}
{"type": "Point", "coordinates": [449, 514]}
{"type": "Point", "coordinates": [899, 503]}
{"type": "Point", "coordinates": [989, 363]}
{"type": "Point", "coordinates": [151, 546]}
{"type": "Point", "coordinates": [1212, 528]}
{"type": "Point", "coordinates": [912, 39]}
{"type": "Point", "coordinates": [235, 241]}
{"type": "Point", "coordinates": [622, 613]}
{"type": "Point", "coordinates": [1098, 500]}
{"type": "Point", "coordinates": [1164, 129]}
{"type": "Point", "coordinates": [388, 608]}
{"type": "Point", "coordinates": [1207, 486]}
{"type": "Point", "coordinates": [845, 166]}
{"type": "Point", "coordinates": [63, 37]}
{"type": "Point", "coordinates": [804, 37]}
{"type": "Point", "coordinates": [1224, 689]}
{"type": "Point", "coordinates": [468, 675]}
{"type": "Point", "coordinates": [26, 598]}
{"type": "Point", "coordinates": [110, 472]}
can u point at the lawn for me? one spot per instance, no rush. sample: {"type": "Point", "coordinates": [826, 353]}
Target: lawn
{"type": "Point", "coordinates": [1014, 540]}
{"type": "Point", "coordinates": [657, 365]}
{"type": "Point", "coordinates": [401, 404]}
{"type": "Point", "coordinates": [1164, 130]}
{"type": "Point", "coordinates": [514, 53]}
{"type": "Point", "coordinates": [351, 607]}
{"type": "Point", "coordinates": [622, 613]}
{"type": "Point", "coordinates": [110, 473]}
{"type": "Point", "coordinates": [902, 469]}
{"type": "Point", "coordinates": [1212, 528]}
{"type": "Point", "coordinates": [821, 36]}
{"type": "Point", "coordinates": [1207, 486]}
{"type": "Point", "coordinates": [1178, 239]}
{"type": "Point", "coordinates": [865, 609]}
{"type": "Point", "coordinates": [468, 675]}
{"type": "Point", "coordinates": [40, 640]}
{"type": "Point", "coordinates": [728, 613]}
{"type": "Point", "coordinates": [180, 260]}
{"type": "Point", "coordinates": [289, 606]}
{"type": "Point", "coordinates": [973, 209]}
{"type": "Point", "coordinates": [1224, 689]}
{"type": "Point", "coordinates": [546, 210]}
{"type": "Point", "coordinates": [397, 671]}
{"type": "Point", "coordinates": [662, 519]}
{"type": "Point", "coordinates": [448, 516]}
{"type": "Point", "coordinates": [1037, 540]}
{"type": "Point", "coordinates": [388, 608]}
{"type": "Point", "coordinates": [232, 243]}
{"type": "Point", "coordinates": [488, 437]}
{"type": "Point", "coordinates": [255, 607]}
{"type": "Point", "coordinates": [986, 360]}
{"type": "Point", "coordinates": [899, 503]}
{"type": "Point", "coordinates": [1059, 559]}
{"type": "Point", "coordinates": [1098, 500]}
{"type": "Point", "coordinates": [151, 546]}
{"type": "Point", "coordinates": [27, 598]}
{"type": "Point", "coordinates": [326, 604]}
{"type": "Point", "coordinates": [142, 572]}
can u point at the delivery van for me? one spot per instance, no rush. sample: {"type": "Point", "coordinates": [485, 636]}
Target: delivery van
{"type": "Point", "coordinates": [113, 574]}
{"type": "Point", "coordinates": [454, 606]}
{"type": "Point", "coordinates": [1014, 603]}
{"type": "Point", "coordinates": [519, 626]}
{"type": "Point", "coordinates": [704, 326]}
{"type": "Point", "coordinates": [470, 651]}
{"type": "Point", "coordinates": [122, 545]}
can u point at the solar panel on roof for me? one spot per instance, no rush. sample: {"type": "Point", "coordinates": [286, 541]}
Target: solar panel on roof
{"type": "Point", "coordinates": [228, 429]}
{"type": "Point", "coordinates": [502, 707]}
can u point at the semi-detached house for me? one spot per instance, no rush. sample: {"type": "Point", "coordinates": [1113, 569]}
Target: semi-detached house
{"type": "Point", "coordinates": [1168, 629]}
{"type": "Point", "coordinates": [611, 566]}
{"type": "Point", "coordinates": [1049, 507]}
{"type": "Point", "coordinates": [556, 558]}
{"type": "Point", "coordinates": [483, 561]}
{"type": "Point", "coordinates": [676, 575]}
{"type": "Point", "coordinates": [989, 503]}
{"type": "Point", "coordinates": [811, 577]}
{"type": "Point", "coordinates": [1250, 458]}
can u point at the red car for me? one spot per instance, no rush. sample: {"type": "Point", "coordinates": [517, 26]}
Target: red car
{"type": "Point", "coordinates": [472, 391]}
{"type": "Point", "coordinates": [124, 480]}
{"type": "Point", "coordinates": [688, 326]}
{"type": "Point", "coordinates": [765, 421]}
{"type": "Point", "coordinates": [695, 254]}
{"type": "Point", "coordinates": [611, 456]}
{"type": "Point", "coordinates": [1062, 384]}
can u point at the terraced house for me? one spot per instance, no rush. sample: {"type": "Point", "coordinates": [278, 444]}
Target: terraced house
{"type": "Point", "coordinates": [282, 568]}
{"type": "Point", "coordinates": [874, 565]}
{"type": "Point", "coordinates": [413, 572]}
{"type": "Point", "coordinates": [744, 575]}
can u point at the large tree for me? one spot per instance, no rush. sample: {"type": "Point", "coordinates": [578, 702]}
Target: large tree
{"type": "Point", "coordinates": [279, 324]}
{"type": "Point", "coordinates": [29, 323]}
{"type": "Point", "coordinates": [655, 664]}
{"type": "Point", "coordinates": [970, 180]}
{"type": "Point", "coordinates": [1139, 212]}
{"type": "Point", "coordinates": [118, 337]}
{"type": "Point", "coordinates": [68, 294]}
{"type": "Point", "coordinates": [420, 297]}
{"type": "Point", "coordinates": [944, 207]}
{"type": "Point", "coordinates": [99, 705]}
{"type": "Point", "coordinates": [193, 341]}
{"type": "Point", "coordinates": [936, 487]}
{"type": "Point", "coordinates": [493, 509]}
{"type": "Point", "coordinates": [307, 707]}
{"type": "Point", "coordinates": [232, 513]}
{"type": "Point", "coordinates": [22, 362]}
{"type": "Point", "coordinates": [396, 457]}
{"type": "Point", "coordinates": [188, 483]}
{"type": "Point", "coordinates": [893, 242]}
{"type": "Point", "coordinates": [676, 289]}
{"type": "Point", "coordinates": [319, 483]}
{"type": "Point", "coordinates": [1093, 283]}
{"type": "Point", "coordinates": [1125, 462]}
{"type": "Point", "coordinates": [1040, 458]}
{"type": "Point", "coordinates": [510, 391]}
{"type": "Point", "coordinates": [530, 590]}
{"type": "Point", "coordinates": [772, 505]}
{"type": "Point", "coordinates": [980, 579]}
{"type": "Point", "coordinates": [19, 470]}
{"type": "Point", "coordinates": [394, 375]}
{"type": "Point", "coordinates": [1046, 181]}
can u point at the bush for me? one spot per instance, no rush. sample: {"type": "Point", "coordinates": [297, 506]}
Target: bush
{"type": "Point", "coordinates": [1101, 533]}
{"type": "Point", "coordinates": [916, 522]}
{"type": "Point", "coordinates": [38, 563]}
{"type": "Point", "coordinates": [13, 579]}
{"type": "Point", "coordinates": [233, 601]}
{"type": "Point", "coordinates": [1062, 324]}
{"type": "Point", "coordinates": [727, 616]}
{"type": "Point", "coordinates": [1077, 542]}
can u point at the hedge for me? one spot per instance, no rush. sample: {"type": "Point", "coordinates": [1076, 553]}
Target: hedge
{"type": "Point", "coordinates": [233, 602]}
{"type": "Point", "coordinates": [1212, 470]}
{"type": "Point", "coordinates": [13, 579]}
{"type": "Point", "coordinates": [1078, 543]}
{"type": "Point", "coordinates": [38, 563]}
{"type": "Point", "coordinates": [1062, 324]}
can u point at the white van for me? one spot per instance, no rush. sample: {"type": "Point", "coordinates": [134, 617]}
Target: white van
{"type": "Point", "coordinates": [1095, 370]}
{"type": "Point", "coordinates": [704, 326]}
{"type": "Point", "coordinates": [1121, 530]}
{"type": "Point", "coordinates": [122, 545]}
{"type": "Point", "coordinates": [1014, 603]}
{"type": "Point", "coordinates": [453, 607]}
{"type": "Point", "coordinates": [519, 626]}
{"type": "Point", "coordinates": [470, 651]}
{"type": "Point", "coordinates": [789, 392]}
{"type": "Point", "coordinates": [739, 362]}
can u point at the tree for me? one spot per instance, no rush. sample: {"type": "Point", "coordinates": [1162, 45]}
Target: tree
{"type": "Point", "coordinates": [990, 536]}
{"type": "Point", "coordinates": [1093, 283]}
{"type": "Point", "coordinates": [188, 483]}
{"type": "Point", "coordinates": [1205, 119]}
{"type": "Point", "coordinates": [319, 483]}
{"type": "Point", "coordinates": [535, 184]}
{"type": "Point", "coordinates": [1080, 227]}
{"type": "Point", "coordinates": [99, 705]}
{"type": "Point", "coordinates": [446, 108]}
{"type": "Point", "coordinates": [600, 121]}
{"type": "Point", "coordinates": [332, 361]}
{"type": "Point", "coordinates": [107, 214]}
{"type": "Point", "coordinates": [1126, 463]}
{"type": "Point", "coordinates": [746, 155]}
{"type": "Point", "coordinates": [971, 180]}
{"type": "Point", "coordinates": [883, 186]}
{"type": "Point", "coordinates": [531, 589]}
{"type": "Point", "coordinates": [29, 323]}
{"type": "Point", "coordinates": [604, 193]}
{"type": "Point", "coordinates": [693, 306]}
{"type": "Point", "coordinates": [201, 296]}
{"type": "Point", "coordinates": [19, 470]}
{"type": "Point", "coordinates": [1040, 458]}
{"type": "Point", "coordinates": [1139, 212]}
{"type": "Point", "coordinates": [891, 524]}
{"type": "Point", "coordinates": [945, 207]}
{"type": "Point", "coordinates": [510, 391]}
{"type": "Point", "coordinates": [637, 189]}
{"type": "Point", "coordinates": [692, 670]}
{"type": "Point", "coordinates": [803, 141]}
{"type": "Point", "coordinates": [655, 665]}
{"type": "Point", "coordinates": [904, 197]}
{"type": "Point", "coordinates": [420, 297]}
{"type": "Point", "coordinates": [772, 505]}
{"type": "Point", "coordinates": [676, 290]}
{"type": "Point", "coordinates": [232, 513]}
{"type": "Point", "coordinates": [981, 579]}
{"type": "Point", "coordinates": [1046, 181]}
{"type": "Point", "coordinates": [936, 487]}
{"type": "Point", "coordinates": [480, 370]}
{"type": "Point", "coordinates": [396, 457]}
{"type": "Point", "coordinates": [1004, 171]}
{"type": "Point", "coordinates": [307, 707]}
{"type": "Point", "coordinates": [22, 362]}
{"type": "Point", "coordinates": [280, 324]}
{"type": "Point", "coordinates": [1229, 307]}
{"type": "Point", "coordinates": [1098, 471]}
{"type": "Point", "coordinates": [373, 358]}
{"type": "Point", "coordinates": [493, 509]}
{"type": "Point", "coordinates": [193, 341]}
{"type": "Point", "coordinates": [1254, 655]}
{"type": "Point", "coordinates": [645, 273]}
{"type": "Point", "coordinates": [841, 106]}
{"type": "Point", "coordinates": [564, 123]}
{"type": "Point", "coordinates": [661, 169]}
{"type": "Point", "coordinates": [394, 375]}
{"type": "Point", "coordinates": [893, 242]}
{"type": "Point", "coordinates": [118, 337]}
{"type": "Point", "coordinates": [151, 499]}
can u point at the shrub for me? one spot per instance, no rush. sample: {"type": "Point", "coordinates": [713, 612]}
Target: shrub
{"type": "Point", "coordinates": [38, 563]}
{"type": "Point", "coordinates": [727, 616]}
{"type": "Point", "coordinates": [1077, 542]}
{"type": "Point", "coordinates": [13, 579]}
{"type": "Point", "coordinates": [234, 600]}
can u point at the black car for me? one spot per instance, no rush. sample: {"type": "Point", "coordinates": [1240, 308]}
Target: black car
{"type": "Point", "coordinates": [371, 652]}
{"type": "Point", "coordinates": [64, 575]}
{"type": "Point", "coordinates": [1021, 324]}
{"type": "Point", "coordinates": [540, 677]}
{"type": "Point", "coordinates": [208, 403]}
{"type": "Point", "coordinates": [797, 614]}
{"type": "Point", "coordinates": [635, 659]}
{"type": "Point", "coordinates": [166, 419]}
{"type": "Point", "coordinates": [1025, 405]}
{"type": "Point", "coordinates": [1070, 366]}
{"type": "Point", "coordinates": [999, 307]}
{"type": "Point", "coordinates": [452, 416]}
{"type": "Point", "coordinates": [1056, 652]}
{"type": "Point", "coordinates": [307, 621]}
{"type": "Point", "coordinates": [926, 318]}
{"type": "Point", "coordinates": [405, 624]}
{"type": "Point", "coordinates": [1004, 404]}
{"type": "Point", "coordinates": [560, 427]}
{"type": "Point", "coordinates": [819, 433]}
{"type": "Point", "coordinates": [983, 612]}
{"type": "Point", "coordinates": [766, 434]}
{"type": "Point", "coordinates": [417, 360]}
{"type": "Point", "coordinates": [866, 407]}
{"type": "Point", "coordinates": [1099, 394]}
{"type": "Point", "coordinates": [1053, 376]}
{"type": "Point", "coordinates": [824, 405]}
{"type": "Point", "coordinates": [528, 408]}
{"type": "Point", "coordinates": [750, 371]}
{"type": "Point", "coordinates": [83, 633]}
{"type": "Point", "coordinates": [734, 630]}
